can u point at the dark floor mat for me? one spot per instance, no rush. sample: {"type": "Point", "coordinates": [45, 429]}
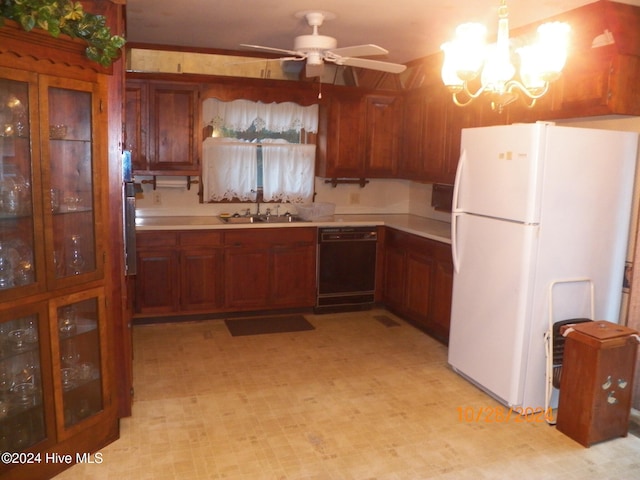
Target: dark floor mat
{"type": "Point", "coordinates": [262, 325]}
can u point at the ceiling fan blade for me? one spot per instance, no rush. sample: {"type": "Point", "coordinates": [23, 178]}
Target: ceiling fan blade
{"type": "Point", "coordinates": [372, 64]}
{"type": "Point", "coordinates": [262, 60]}
{"type": "Point", "coordinates": [272, 49]}
{"type": "Point", "coordinates": [358, 51]}
{"type": "Point", "coordinates": [314, 70]}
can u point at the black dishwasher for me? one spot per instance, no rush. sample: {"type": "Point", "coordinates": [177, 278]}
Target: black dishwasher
{"type": "Point", "coordinates": [346, 268]}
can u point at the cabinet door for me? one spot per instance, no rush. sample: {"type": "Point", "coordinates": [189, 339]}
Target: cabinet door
{"type": "Point", "coordinates": [457, 119]}
{"type": "Point", "coordinates": [435, 135]}
{"type": "Point", "coordinates": [411, 165]}
{"type": "Point", "coordinates": [78, 333]}
{"type": "Point", "coordinates": [72, 155]}
{"type": "Point", "coordinates": [293, 272]}
{"type": "Point", "coordinates": [201, 283]}
{"type": "Point", "coordinates": [383, 121]}
{"type": "Point", "coordinates": [22, 268]}
{"type": "Point", "coordinates": [247, 276]}
{"type": "Point", "coordinates": [341, 143]}
{"type": "Point", "coordinates": [136, 123]}
{"type": "Point", "coordinates": [26, 419]}
{"type": "Point", "coordinates": [157, 281]}
{"type": "Point", "coordinates": [394, 273]}
{"type": "Point", "coordinates": [173, 114]}
{"type": "Point", "coordinates": [442, 290]}
{"type": "Point", "coordinates": [419, 280]}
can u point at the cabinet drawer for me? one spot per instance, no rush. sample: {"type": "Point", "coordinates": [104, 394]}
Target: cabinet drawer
{"type": "Point", "coordinates": [270, 236]}
{"type": "Point", "coordinates": [200, 238]}
{"type": "Point", "coordinates": [156, 239]}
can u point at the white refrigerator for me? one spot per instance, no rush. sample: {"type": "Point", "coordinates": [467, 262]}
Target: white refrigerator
{"type": "Point", "coordinates": [540, 223]}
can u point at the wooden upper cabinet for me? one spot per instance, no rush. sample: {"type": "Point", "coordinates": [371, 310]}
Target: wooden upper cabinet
{"type": "Point", "coordinates": [595, 81]}
{"type": "Point", "coordinates": [136, 123]}
{"type": "Point", "coordinates": [340, 144]}
{"type": "Point", "coordinates": [383, 120]}
{"type": "Point", "coordinates": [431, 140]}
{"type": "Point", "coordinates": [160, 127]}
{"type": "Point", "coordinates": [359, 135]}
{"type": "Point", "coordinates": [173, 113]}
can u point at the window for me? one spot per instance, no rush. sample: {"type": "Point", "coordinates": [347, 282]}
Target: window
{"type": "Point", "coordinates": [258, 151]}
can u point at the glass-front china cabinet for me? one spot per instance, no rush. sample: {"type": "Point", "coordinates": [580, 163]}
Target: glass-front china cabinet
{"type": "Point", "coordinates": [55, 383]}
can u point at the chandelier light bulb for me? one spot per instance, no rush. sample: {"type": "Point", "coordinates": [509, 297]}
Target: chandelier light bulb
{"type": "Point", "coordinates": [467, 56]}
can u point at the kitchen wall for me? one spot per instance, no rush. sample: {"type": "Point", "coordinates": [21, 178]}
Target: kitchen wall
{"type": "Point", "coordinates": [378, 196]}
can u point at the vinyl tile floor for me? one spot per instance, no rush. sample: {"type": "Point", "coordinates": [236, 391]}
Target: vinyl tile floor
{"type": "Point", "coordinates": [353, 399]}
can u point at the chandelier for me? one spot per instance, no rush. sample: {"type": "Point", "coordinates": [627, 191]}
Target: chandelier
{"type": "Point", "coordinates": [468, 57]}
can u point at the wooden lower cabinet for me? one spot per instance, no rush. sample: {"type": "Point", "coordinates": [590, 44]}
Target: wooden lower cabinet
{"type": "Point", "coordinates": [418, 281]}
{"type": "Point", "coordinates": [188, 272]}
{"type": "Point", "coordinates": [179, 272]}
{"type": "Point", "coordinates": [254, 269]}
{"type": "Point", "coordinates": [270, 268]}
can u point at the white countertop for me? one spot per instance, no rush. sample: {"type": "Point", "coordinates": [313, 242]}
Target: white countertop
{"type": "Point", "coordinates": [422, 226]}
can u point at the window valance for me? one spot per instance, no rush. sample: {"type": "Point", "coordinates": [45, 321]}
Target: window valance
{"type": "Point", "coordinates": [277, 117]}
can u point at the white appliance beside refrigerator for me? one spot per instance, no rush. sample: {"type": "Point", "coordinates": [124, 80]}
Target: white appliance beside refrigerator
{"type": "Point", "coordinates": [540, 224]}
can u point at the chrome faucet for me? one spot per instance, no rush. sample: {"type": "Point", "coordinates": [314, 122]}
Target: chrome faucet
{"type": "Point", "coordinates": [257, 202]}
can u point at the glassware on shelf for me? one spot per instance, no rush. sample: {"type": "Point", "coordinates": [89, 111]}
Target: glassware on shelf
{"type": "Point", "coordinates": [24, 273]}
{"type": "Point", "coordinates": [6, 268]}
{"type": "Point", "coordinates": [18, 338]}
{"type": "Point", "coordinates": [67, 320]}
{"type": "Point", "coordinates": [68, 376]}
{"type": "Point", "coordinates": [72, 202]}
{"type": "Point", "coordinates": [31, 329]}
{"type": "Point", "coordinates": [70, 356]}
{"type": "Point", "coordinates": [7, 381]}
{"type": "Point", "coordinates": [15, 192]}
{"type": "Point", "coordinates": [55, 200]}
{"type": "Point", "coordinates": [9, 196]}
{"type": "Point", "coordinates": [76, 261]}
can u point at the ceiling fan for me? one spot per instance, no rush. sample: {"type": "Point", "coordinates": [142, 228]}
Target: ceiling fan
{"type": "Point", "coordinates": [317, 49]}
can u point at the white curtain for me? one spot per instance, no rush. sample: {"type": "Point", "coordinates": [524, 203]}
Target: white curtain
{"type": "Point", "coordinates": [277, 117]}
{"type": "Point", "coordinates": [229, 170]}
{"type": "Point", "coordinates": [288, 172]}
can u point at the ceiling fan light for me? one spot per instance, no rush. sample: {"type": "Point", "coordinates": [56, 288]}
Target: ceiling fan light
{"type": "Point", "coordinates": [305, 43]}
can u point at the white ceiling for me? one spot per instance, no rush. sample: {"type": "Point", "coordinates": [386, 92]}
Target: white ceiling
{"type": "Point", "coordinates": [409, 29]}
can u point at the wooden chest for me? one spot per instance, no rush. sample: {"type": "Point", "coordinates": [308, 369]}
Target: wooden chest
{"type": "Point", "coordinates": [596, 384]}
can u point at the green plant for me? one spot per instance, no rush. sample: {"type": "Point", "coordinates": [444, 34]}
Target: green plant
{"type": "Point", "coordinates": [67, 17]}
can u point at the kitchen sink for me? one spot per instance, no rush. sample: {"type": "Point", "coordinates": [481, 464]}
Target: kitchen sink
{"type": "Point", "coordinates": [263, 219]}
{"type": "Point", "coordinates": [238, 219]}
{"type": "Point", "coordinates": [280, 219]}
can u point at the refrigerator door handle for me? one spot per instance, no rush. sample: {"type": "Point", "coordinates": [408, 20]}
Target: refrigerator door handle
{"type": "Point", "coordinates": [458, 180]}
{"type": "Point", "coordinates": [454, 243]}
{"type": "Point", "coordinates": [455, 213]}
